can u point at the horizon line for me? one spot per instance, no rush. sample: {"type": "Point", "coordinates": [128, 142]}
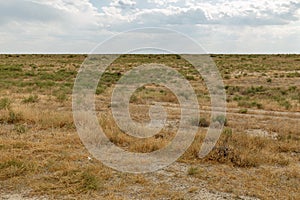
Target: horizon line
{"type": "Point", "coordinates": [209, 53]}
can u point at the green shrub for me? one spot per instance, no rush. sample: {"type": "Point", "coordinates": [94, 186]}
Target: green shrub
{"type": "Point", "coordinates": [221, 119]}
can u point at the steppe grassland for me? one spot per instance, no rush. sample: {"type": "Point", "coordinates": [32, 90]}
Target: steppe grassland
{"type": "Point", "coordinates": [257, 155]}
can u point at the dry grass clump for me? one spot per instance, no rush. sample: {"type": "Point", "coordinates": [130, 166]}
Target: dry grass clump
{"type": "Point", "coordinates": [242, 150]}
{"type": "Point", "coordinates": [192, 171]}
{"type": "Point", "coordinates": [153, 93]}
{"type": "Point", "coordinates": [74, 181]}
{"type": "Point", "coordinates": [265, 182]}
{"type": "Point", "coordinates": [248, 165]}
{"type": "Point", "coordinates": [41, 119]}
{"type": "Point", "coordinates": [133, 144]}
{"type": "Point", "coordinates": [14, 167]}
{"type": "Point", "coordinates": [54, 165]}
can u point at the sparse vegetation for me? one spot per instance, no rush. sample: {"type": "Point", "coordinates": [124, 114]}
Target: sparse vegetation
{"type": "Point", "coordinates": [257, 154]}
{"type": "Point", "coordinates": [193, 171]}
{"type": "Point", "coordinates": [243, 111]}
{"type": "Point", "coordinates": [90, 181]}
{"type": "Point", "coordinates": [203, 122]}
{"type": "Point", "coordinates": [5, 103]}
{"type": "Point", "coordinates": [221, 120]}
{"type": "Point", "coordinates": [31, 99]}
{"type": "Point", "coordinates": [20, 129]}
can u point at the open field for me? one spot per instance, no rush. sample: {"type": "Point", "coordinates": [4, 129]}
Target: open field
{"type": "Point", "coordinates": [257, 156]}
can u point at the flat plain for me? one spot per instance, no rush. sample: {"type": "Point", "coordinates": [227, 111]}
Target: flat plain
{"type": "Point", "coordinates": [256, 157]}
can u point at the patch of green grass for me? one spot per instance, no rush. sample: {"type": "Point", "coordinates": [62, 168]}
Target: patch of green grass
{"type": "Point", "coordinates": [227, 132]}
{"type": "Point", "coordinates": [45, 84]}
{"type": "Point", "coordinates": [243, 111]}
{"type": "Point", "coordinates": [100, 89]}
{"type": "Point", "coordinates": [11, 68]}
{"type": "Point", "coordinates": [250, 104]}
{"type": "Point", "coordinates": [293, 75]}
{"type": "Point", "coordinates": [20, 129]}
{"type": "Point", "coordinates": [13, 168]}
{"type": "Point", "coordinates": [11, 163]}
{"type": "Point", "coordinates": [254, 90]}
{"type": "Point", "coordinates": [232, 89]}
{"type": "Point", "coordinates": [5, 103]}
{"type": "Point", "coordinates": [286, 104]}
{"type": "Point", "coordinates": [61, 97]}
{"type": "Point", "coordinates": [190, 78]}
{"type": "Point", "coordinates": [109, 78]}
{"type": "Point", "coordinates": [31, 99]}
{"type": "Point", "coordinates": [193, 171]}
{"type": "Point", "coordinates": [90, 181]}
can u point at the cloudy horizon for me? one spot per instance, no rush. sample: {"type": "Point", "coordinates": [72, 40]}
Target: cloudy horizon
{"type": "Point", "coordinates": [220, 26]}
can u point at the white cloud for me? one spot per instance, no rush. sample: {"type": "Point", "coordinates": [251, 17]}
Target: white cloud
{"type": "Point", "coordinates": [221, 25]}
{"type": "Point", "coordinates": [233, 12]}
{"type": "Point", "coordinates": [49, 26]}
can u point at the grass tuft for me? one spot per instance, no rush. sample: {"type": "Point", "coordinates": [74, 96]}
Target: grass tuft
{"type": "Point", "coordinates": [90, 181]}
{"type": "Point", "coordinates": [31, 99]}
{"type": "Point", "coordinates": [193, 171]}
{"type": "Point", "coordinates": [5, 104]}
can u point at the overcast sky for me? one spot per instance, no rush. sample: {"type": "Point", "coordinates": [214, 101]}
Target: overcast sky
{"type": "Point", "coordinates": [220, 26]}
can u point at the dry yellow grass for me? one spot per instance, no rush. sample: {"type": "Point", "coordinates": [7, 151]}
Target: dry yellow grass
{"type": "Point", "coordinates": [257, 155]}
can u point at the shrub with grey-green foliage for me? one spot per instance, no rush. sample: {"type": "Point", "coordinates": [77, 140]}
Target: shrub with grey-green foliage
{"type": "Point", "coordinates": [221, 119]}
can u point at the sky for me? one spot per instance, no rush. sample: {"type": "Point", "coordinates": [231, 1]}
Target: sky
{"type": "Point", "coordinates": [220, 26]}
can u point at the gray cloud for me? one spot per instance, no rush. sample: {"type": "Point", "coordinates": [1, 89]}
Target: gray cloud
{"type": "Point", "coordinates": [124, 4]}
{"type": "Point", "coordinates": [20, 10]}
{"type": "Point", "coordinates": [257, 16]}
{"type": "Point", "coordinates": [226, 12]}
{"type": "Point", "coordinates": [163, 17]}
{"type": "Point", "coordinates": [221, 25]}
